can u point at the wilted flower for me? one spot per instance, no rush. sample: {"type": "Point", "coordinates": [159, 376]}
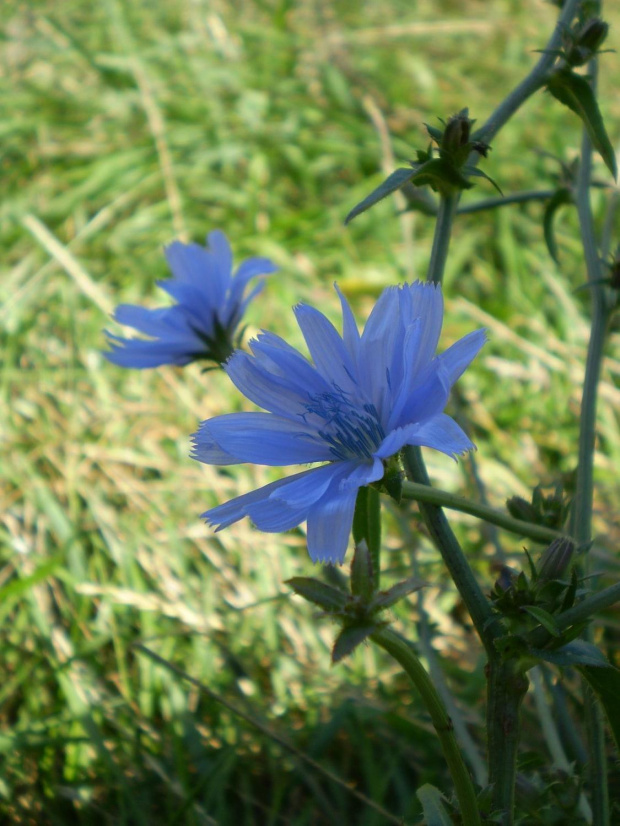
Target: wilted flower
{"type": "Point", "coordinates": [364, 398]}
{"type": "Point", "coordinates": [203, 323]}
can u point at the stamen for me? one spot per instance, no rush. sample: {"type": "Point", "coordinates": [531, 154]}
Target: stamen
{"type": "Point", "coordinates": [352, 430]}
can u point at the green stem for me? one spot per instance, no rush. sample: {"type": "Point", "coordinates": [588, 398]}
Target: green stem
{"type": "Point", "coordinates": [582, 504]}
{"type": "Point", "coordinates": [441, 238]}
{"type": "Point", "coordinates": [367, 527]}
{"type": "Point", "coordinates": [477, 604]}
{"type": "Point", "coordinates": [404, 654]}
{"type": "Point", "coordinates": [515, 198]}
{"type": "Point", "coordinates": [506, 688]}
{"type": "Point", "coordinates": [533, 82]}
{"type": "Point", "coordinates": [433, 496]}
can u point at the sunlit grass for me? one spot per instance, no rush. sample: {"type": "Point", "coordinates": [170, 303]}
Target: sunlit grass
{"type": "Point", "coordinates": [125, 126]}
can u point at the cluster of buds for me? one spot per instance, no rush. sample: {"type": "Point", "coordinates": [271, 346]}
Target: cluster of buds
{"type": "Point", "coordinates": [548, 510]}
{"type": "Point", "coordinates": [526, 601]}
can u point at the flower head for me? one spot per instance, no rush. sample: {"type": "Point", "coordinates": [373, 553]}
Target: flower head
{"type": "Point", "coordinates": [210, 305]}
{"type": "Point", "coordinates": [364, 398]}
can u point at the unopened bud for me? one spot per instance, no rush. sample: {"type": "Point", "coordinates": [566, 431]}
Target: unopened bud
{"type": "Point", "coordinates": [456, 134]}
{"type": "Point", "coordinates": [586, 41]}
{"type": "Point", "coordinates": [555, 559]}
{"type": "Point", "coordinates": [519, 508]}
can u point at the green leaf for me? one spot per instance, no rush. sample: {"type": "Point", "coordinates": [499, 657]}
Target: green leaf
{"type": "Point", "coordinates": [391, 184]}
{"type": "Point", "coordinates": [478, 173]}
{"type": "Point", "coordinates": [351, 636]}
{"type": "Point", "coordinates": [544, 618]}
{"type": "Point", "coordinates": [385, 599]}
{"type": "Point", "coordinates": [605, 682]}
{"type": "Point", "coordinates": [558, 199]}
{"type": "Point", "coordinates": [432, 800]}
{"type": "Point", "coordinates": [577, 652]}
{"type": "Point", "coordinates": [574, 91]}
{"type": "Point", "coordinates": [325, 596]}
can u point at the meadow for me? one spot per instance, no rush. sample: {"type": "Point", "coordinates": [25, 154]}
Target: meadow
{"type": "Point", "coordinates": [154, 672]}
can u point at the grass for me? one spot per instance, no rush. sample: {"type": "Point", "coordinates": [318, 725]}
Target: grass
{"type": "Point", "coordinates": [124, 126]}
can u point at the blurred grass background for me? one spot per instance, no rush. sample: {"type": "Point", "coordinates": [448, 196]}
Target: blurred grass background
{"type": "Point", "coordinates": [125, 125]}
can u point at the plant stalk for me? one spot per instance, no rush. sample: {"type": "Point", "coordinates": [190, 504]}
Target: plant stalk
{"type": "Point", "coordinates": [404, 654]}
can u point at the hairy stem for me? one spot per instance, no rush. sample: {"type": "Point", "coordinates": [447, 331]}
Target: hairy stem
{"type": "Point", "coordinates": [404, 654]}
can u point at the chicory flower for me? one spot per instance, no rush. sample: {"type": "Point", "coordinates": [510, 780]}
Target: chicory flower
{"type": "Point", "coordinates": [203, 323]}
{"type": "Point", "coordinates": [362, 400]}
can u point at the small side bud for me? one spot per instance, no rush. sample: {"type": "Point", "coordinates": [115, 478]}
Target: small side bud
{"type": "Point", "coordinates": [586, 41]}
{"type": "Point", "coordinates": [521, 509]}
{"type": "Point", "coordinates": [556, 559]}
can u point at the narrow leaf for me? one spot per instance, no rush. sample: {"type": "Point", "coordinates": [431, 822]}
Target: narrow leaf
{"type": "Point", "coordinates": [385, 599]}
{"type": "Point", "coordinates": [325, 596]}
{"type": "Point", "coordinates": [391, 184]}
{"type": "Point", "coordinates": [544, 618]}
{"type": "Point", "coordinates": [432, 800]}
{"type": "Point", "coordinates": [605, 682]}
{"type": "Point", "coordinates": [574, 91]}
{"type": "Point", "coordinates": [577, 652]}
{"type": "Point", "coordinates": [478, 173]}
{"type": "Point", "coordinates": [561, 197]}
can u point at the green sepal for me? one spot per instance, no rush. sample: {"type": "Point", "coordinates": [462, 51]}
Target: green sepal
{"type": "Point", "coordinates": [574, 91]}
{"type": "Point", "coordinates": [577, 652]}
{"type": "Point", "coordinates": [351, 636]}
{"type": "Point", "coordinates": [433, 806]}
{"type": "Point", "coordinates": [605, 682]}
{"type": "Point", "coordinates": [391, 184]}
{"type": "Point", "coordinates": [385, 599]}
{"type": "Point", "coordinates": [435, 133]}
{"type": "Point", "coordinates": [327, 597]}
{"type": "Point", "coordinates": [558, 199]}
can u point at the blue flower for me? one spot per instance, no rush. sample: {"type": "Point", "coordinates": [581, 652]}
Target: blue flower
{"type": "Point", "coordinates": [364, 398]}
{"type": "Point", "coordinates": [210, 306]}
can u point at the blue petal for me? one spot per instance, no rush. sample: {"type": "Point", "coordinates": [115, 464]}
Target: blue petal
{"type": "Point", "coordinates": [350, 333]}
{"type": "Point", "coordinates": [456, 359]}
{"type": "Point", "coordinates": [425, 399]}
{"type": "Point", "coordinates": [267, 439]}
{"type": "Point", "coordinates": [285, 361]}
{"type": "Point", "coordinates": [140, 354]}
{"type": "Point", "coordinates": [424, 302]}
{"type": "Point", "coordinates": [159, 322]}
{"type": "Point", "coordinates": [206, 449]}
{"type": "Point", "coordinates": [268, 515]}
{"type": "Point", "coordinates": [441, 433]}
{"type": "Point", "coordinates": [329, 526]}
{"type": "Point", "coordinates": [326, 348]}
{"type": "Point", "coordinates": [268, 390]}
{"type": "Point", "coordinates": [195, 265]}
{"type": "Point", "coordinates": [222, 254]}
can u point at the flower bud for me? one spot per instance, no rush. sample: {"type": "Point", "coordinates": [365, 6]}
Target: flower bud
{"type": "Point", "coordinates": [455, 139]}
{"type": "Point", "coordinates": [586, 41]}
{"type": "Point", "coordinates": [555, 559]}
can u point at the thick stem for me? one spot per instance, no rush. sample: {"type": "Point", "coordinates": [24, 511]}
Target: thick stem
{"type": "Point", "coordinates": [477, 604]}
{"type": "Point", "coordinates": [404, 654]}
{"type": "Point", "coordinates": [444, 499]}
{"type": "Point", "coordinates": [506, 688]}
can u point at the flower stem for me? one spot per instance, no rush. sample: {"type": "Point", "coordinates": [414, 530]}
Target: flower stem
{"type": "Point", "coordinates": [582, 504]}
{"type": "Point", "coordinates": [404, 654]}
{"type": "Point", "coordinates": [433, 496]}
{"type": "Point", "coordinates": [477, 604]}
{"type": "Point", "coordinates": [515, 198]}
{"type": "Point", "coordinates": [533, 81]}
{"type": "Point", "coordinates": [441, 238]}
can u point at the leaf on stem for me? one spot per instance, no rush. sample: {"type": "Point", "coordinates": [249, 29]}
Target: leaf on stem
{"type": "Point", "coordinates": [574, 91]}
{"type": "Point", "coordinates": [433, 806]}
{"type": "Point", "coordinates": [605, 682]}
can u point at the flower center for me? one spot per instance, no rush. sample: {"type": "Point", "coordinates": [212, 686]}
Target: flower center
{"type": "Point", "coordinates": [352, 430]}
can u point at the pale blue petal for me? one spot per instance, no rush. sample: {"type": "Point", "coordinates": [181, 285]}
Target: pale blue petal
{"type": "Point", "coordinates": [308, 488]}
{"type": "Point", "coordinates": [350, 332]}
{"type": "Point", "coordinates": [279, 357]}
{"type": "Point", "coordinates": [425, 302]}
{"type": "Point", "coordinates": [206, 449]}
{"type": "Point", "coordinates": [361, 473]}
{"type": "Point", "coordinates": [273, 392]}
{"type": "Point", "coordinates": [326, 348]}
{"type": "Point", "coordinates": [193, 265]}
{"type": "Point", "coordinates": [329, 526]}
{"type": "Point", "coordinates": [267, 439]}
{"type": "Point", "coordinates": [138, 354]}
{"type": "Point", "coordinates": [159, 322]}
{"type": "Point", "coordinates": [456, 359]}
{"type": "Point", "coordinates": [222, 255]}
{"type": "Point", "coordinates": [441, 433]}
{"type": "Point", "coordinates": [263, 511]}
{"type": "Point", "coordinates": [426, 399]}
